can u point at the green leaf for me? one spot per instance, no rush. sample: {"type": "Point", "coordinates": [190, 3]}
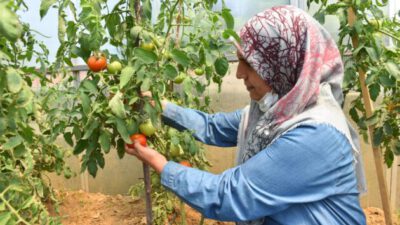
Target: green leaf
{"type": "Point", "coordinates": [27, 134]}
{"type": "Point", "coordinates": [19, 151]}
{"type": "Point", "coordinates": [120, 148]}
{"type": "Point", "coordinates": [14, 80]}
{"type": "Point", "coordinates": [89, 86]}
{"type": "Point", "coordinates": [221, 66]}
{"type": "Point", "coordinates": [145, 56]}
{"type": "Point", "coordinates": [5, 217]}
{"type": "Point", "coordinates": [180, 57]}
{"type": "Point", "coordinates": [80, 146]}
{"type": "Point", "coordinates": [44, 7]}
{"type": "Point", "coordinates": [28, 202]}
{"type": "Point", "coordinates": [3, 125]}
{"type": "Point", "coordinates": [389, 157]}
{"type": "Point", "coordinates": [100, 159]}
{"type": "Point", "coordinates": [61, 28]}
{"type": "Point", "coordinates": [2, 207]}
{"type": "Point", "coordinates": [13, 142]}
{"type": "Point", "coordinates": [386, 80]}
{"type": "Point", "coordinates": [147, 9]}
{"type": "Point", "coordinates": [90, 127]}
{"type": "Point", "coordinates": [85, 100]}
{"type": "Point", "coordinates": [396, 146]}
{"type": "Point", "coordinates": [105, 141]}
{"type": "Point", "coordinates": [117, 106]}
{"type": "Point", "coordinates": [126, 75]}
{"type": "Point", "coordinates": [374, 119]}
{"type": "Point", "coordinates": [372, 54]}
{"type": "Point", "coordinates": [354, 115]}
{"type": "Point", "coordinates": [231, 33]}
{"type": "Point", "coordinates": [320, 17]}
{"type": "Point", "coordinates": [122, 130]}
{"type": "Point", "coordinates": [377, 138]}
{"type": "Point", "coordinates": [92, 167]}
{"type": "Point", "coordinates": [132, 126]}
{"type": "Point", "coordinates": [374, 90]}
{"type": "Point", "coordinates": [68, 138]}
{"type": "Point", "coordinates": [229, 20]}
{"type": "Point", "coordinates": [332, 8]}
{"type": "Point", "coordinates": [24, 97]}
{"type": "Point", "coordinates": [77, 132]}
{"type": "Point", "coordinates": [170, 72]}
{"type": "Point", "coordinates": [393, 69]}
{"type": "Point", "coordinates": [145, 85]}
{"type": "Point", "coordinates": [387, 128]}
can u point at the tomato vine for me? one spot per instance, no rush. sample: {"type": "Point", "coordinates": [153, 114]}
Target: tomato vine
{"type": "Point", "coordinates": [378, 55]}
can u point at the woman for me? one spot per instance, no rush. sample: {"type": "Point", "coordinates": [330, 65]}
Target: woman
{"type": "Point", "coordinates": [298, 159]}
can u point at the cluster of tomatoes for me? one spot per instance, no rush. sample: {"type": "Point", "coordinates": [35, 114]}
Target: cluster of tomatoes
{"type": "Point", "coordinates": [146, 130]}
{"type": "Point", "coordinates": [98, 62]}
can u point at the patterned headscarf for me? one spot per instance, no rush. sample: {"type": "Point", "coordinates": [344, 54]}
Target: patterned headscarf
{"type": "Point", "coordinates": [297, 57]}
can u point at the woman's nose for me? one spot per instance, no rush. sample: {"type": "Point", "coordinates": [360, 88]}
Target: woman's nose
{"type": "Point", "coordinates": [240, 72]}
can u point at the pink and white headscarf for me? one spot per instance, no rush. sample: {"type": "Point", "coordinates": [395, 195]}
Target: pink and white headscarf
{"type": "Point", "coordinates": [293, 54]}
{"type": "Point", "coordinates": [298, 58]}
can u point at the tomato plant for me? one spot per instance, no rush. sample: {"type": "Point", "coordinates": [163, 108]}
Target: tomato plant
{"type": "Point", "coordinates": [27, 147]}
{"type": "Point", "coordinates": [377, 55]}
{"type": "Point", "coordinates": [157, 52]}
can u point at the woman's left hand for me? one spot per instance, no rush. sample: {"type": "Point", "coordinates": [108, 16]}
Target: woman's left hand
{"type": "Point", "coordinates": [147, 155]}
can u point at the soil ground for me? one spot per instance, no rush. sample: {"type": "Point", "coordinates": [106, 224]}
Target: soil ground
{"type": "Point", "coordinates": [83, 208]}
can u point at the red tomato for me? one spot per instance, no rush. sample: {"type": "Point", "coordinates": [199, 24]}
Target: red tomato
{"type": "Point", "coordinates": [139, 137]}
{"type": "Point", "coordinates": [186, 163]}
{"type": "Point", "coordinates": [97, 63]}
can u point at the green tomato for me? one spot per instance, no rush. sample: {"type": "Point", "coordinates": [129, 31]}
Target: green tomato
{"type": "Point", "coordinates": [166, 54]}
{"type": "Point", "coordinates": [114, 67]}
{"type": "Point", "coordinates": [375, 23]}
{"type": "Point", "coordinates": [199, 71]}
{"type": "Point", "coordinates": [147, 128]}
{"type": "Point", "coordinates": [172, 132]}
{"type": "Point", "coordinates": [179, 79]}
{"type": "Point", "coordinates": [135, 31]}
{"type": "Point", "coordinates": [155, 180]}
{"type": "Point", "coordinates": [174, 150]}
{"type": "Point", "coordinates": [193, 148]}
{"type": "Point", "coordinates": [149, 46]}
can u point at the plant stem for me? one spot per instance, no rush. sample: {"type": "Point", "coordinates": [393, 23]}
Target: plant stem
{"type": "Point", "coordinates": [201, 220]}
{"type": "Point", "coordinates": [183, 213]}
{"type": "Point", "coordinates": [389, 34]}
{"type": "Point", "coordinates": [147, 186]}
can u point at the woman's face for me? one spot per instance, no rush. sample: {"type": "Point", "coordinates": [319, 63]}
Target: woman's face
{"type": "Point", "coordinates": [255, 85]}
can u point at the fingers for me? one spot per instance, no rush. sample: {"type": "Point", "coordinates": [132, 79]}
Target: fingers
{"type": "Point", "coordinates": [146, 94]}
{"type": "Point", "coordinates": [136, 149]}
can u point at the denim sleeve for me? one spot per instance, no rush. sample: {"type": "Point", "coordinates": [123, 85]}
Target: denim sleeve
{"type": "Point", "coordinates": [294, 169]}
{"type": "Point", "coordinates": [220, 129]}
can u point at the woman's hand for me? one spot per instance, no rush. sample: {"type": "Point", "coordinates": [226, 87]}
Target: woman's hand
{"type": "Point", "coordinates": [147, 155]}
{"type": "Point", "coordinates": [149, 95]}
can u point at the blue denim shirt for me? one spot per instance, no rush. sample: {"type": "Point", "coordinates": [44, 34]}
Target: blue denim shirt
{"type": "Point", "coordinates": [305, 177]}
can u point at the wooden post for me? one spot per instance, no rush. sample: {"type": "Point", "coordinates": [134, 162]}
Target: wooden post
{"type": "Point", "coordinates": [369, 112]}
